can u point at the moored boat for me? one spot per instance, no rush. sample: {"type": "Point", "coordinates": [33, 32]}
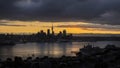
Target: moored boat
{"type": "Point", "coordinates": [7, 43]}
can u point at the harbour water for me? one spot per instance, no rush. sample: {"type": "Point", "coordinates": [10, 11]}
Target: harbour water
{"type": "Point", "coordinates": [47, 49]}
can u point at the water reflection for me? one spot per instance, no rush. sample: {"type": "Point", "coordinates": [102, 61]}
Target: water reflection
{"type": "Point", "coordinates": [47, 49]}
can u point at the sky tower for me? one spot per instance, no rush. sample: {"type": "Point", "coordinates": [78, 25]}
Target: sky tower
{"type": "Point", "coordinates": [52, 28]}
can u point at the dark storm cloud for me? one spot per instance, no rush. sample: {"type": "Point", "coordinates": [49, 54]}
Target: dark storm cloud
{"type": "Point", "coordinates": [3, 24]}
{"type": "Point", "coordinates": [109, 17]}
{"type": "Point", "coordinates": [92, 26]}
{"type": "Point", "coordinates": [94, 11]}
{"type": "Point", "coordinates": [7, 23]}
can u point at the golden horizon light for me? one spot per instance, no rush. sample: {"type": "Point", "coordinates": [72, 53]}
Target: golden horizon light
{"type": "Point", "coordinates": [17, 27]}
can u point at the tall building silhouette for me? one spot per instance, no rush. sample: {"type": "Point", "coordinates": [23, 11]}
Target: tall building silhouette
{"type": "Point", "coordinates": [52, 28]}
{"type": "Point", "coordinates": [48, 31]}
{"type": "Point", "coordinates": [64, 32]}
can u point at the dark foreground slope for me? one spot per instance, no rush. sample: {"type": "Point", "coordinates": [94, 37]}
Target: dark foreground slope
{"type": "Point", "coordinates": [88, 57]}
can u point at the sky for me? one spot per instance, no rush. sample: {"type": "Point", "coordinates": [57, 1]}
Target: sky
{"type": "Point", "coordinates": [76, 16]}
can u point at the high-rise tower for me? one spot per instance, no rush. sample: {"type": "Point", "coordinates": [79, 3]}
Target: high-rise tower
{"type": "Point", "coordinates": [48, 31]}
{"type": "Point", "coordinates": [52, 28]}
{"type": "Point", "coordinates": [64, 33]}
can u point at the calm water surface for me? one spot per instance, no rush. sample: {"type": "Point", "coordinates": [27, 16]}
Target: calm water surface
{"type": "Point", "coordinates": [48, 49]}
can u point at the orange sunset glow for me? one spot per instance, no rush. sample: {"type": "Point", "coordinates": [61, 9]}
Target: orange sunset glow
{"type": "Point", "coordinates": [59, 33]}
{"type": "Point", "coordinates": [71, 27]}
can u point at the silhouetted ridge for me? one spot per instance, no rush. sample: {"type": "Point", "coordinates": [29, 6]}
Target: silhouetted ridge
{"type": "Point", "coordinates": [88, 57]}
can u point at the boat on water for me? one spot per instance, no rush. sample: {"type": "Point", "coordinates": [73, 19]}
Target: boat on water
{"type": "Point", "coordinates": [63, 40]}
{"type": "Point", "coordinates": [89, 50]}
{"type": "Point", "coordinates": [7, 43]}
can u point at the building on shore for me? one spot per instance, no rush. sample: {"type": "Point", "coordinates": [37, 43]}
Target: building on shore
{"type": "Point", "coordinates": [40, 36]}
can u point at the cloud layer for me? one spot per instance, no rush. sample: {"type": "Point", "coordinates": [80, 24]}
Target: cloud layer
{"type": "Point", "coordinates": [94, 11]}
{"type": "Point", "coordinates": [92, 27]}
